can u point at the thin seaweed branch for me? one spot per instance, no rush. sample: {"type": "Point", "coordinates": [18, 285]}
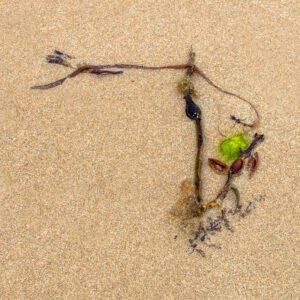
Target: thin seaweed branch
{"type": "Point", "coordinates": [68, 61]}
{"type": "Point", "coordinates": [193, 112]}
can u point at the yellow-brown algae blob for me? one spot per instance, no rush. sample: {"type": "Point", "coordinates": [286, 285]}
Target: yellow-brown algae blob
{"type": "Point", "coordinates": [186, 212]}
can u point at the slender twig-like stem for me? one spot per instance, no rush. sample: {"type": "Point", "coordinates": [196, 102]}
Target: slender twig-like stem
{"type": "Point", "coordinates": [199, 133]}
{"type": "Point", "coordinates": [84, 69]}
{"type": "Point", "coordinates": [66, 60]}
{"type": "Point", "coordinates": [198, 164]}
{"type": "Point", "coordinates": [199, 137]}
{"type": "Point", "coordinates": [193, 111]}
{"type": "Point", "coordinates": [237, 196]}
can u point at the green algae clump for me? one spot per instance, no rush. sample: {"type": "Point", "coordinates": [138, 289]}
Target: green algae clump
{"type": "Point", "coordinates": [229, 148]}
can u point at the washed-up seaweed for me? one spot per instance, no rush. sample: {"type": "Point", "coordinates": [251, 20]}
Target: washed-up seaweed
{"type": "Point", "coordinates": [191, 212]}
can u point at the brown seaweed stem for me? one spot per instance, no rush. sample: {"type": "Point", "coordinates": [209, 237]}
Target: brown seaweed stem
{"type": "Point", "coordinates": [67, 61]}
{"type": "Point", "coordinates": [193, 111]}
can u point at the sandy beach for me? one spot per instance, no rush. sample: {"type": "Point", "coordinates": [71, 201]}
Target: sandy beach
{"type": "Point", "coordinates": [91, 168]}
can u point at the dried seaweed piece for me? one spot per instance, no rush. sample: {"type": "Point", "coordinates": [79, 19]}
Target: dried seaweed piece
{"type": "Point", "coordinates": [193, 112]}
{"type": "Point", "coordinates": [84, 69]}
{"type": "Point", "coordinates": [252, 164]}
{"type": "Point", "coordinates": [201, 238]}
{"type": "Point", "coordinates": [240, 122]}
{"type": "Point", "coordinates": [234, 169]}
{"type": "Point", "coordinates": [237, 197]}
{"type": "Point", "coordinates": [217, 166]}
{"type": "Point", "coordinates": [189, 210]}
{"type": "Point", "coordinates": [68, 61]}
{"type": "Point", "coordinates": [186, 212]}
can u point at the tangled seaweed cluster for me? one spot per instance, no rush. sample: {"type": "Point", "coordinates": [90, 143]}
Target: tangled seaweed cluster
{"type": "Point", "coordinates": [201, 228]}
{"type": "Point", "coordinates": [190, 212]}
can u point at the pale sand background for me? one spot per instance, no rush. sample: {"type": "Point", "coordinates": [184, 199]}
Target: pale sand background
{"type": "Point", "coordinates": [89, 169]}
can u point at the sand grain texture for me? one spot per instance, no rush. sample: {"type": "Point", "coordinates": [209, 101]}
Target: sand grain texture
{"type": "Point", "coordinates": [90, 168]}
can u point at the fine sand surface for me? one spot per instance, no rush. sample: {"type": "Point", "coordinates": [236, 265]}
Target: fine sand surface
{"type": "Point", "coordinates": [89, 170]}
